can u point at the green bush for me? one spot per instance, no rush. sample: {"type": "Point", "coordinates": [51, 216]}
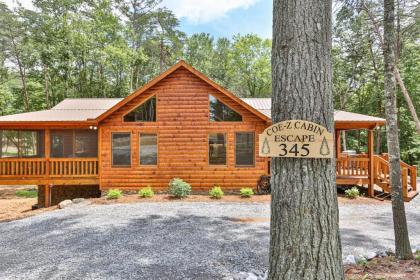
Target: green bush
{"type": "Point", "coordinates": [216, 192]}
{"type": "Point", "coordinates": [179, 188]}
{"type": "Point", "coordinates": [27, 193]}
{"type": "Point", "coordinates": [114, 194]}
{"type": "Point", "coordinates": [352, 193]}
{"type": "Point", "coordinates": [146, 192]}
{"type": "Point", "coordinates": [246, 192]}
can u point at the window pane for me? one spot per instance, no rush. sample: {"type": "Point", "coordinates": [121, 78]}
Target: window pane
{"type": "Point", "coordinates": [21, 143]}
{"type": "Point", "coordinates": [217, 149]}
{"type": "Point", "coordinates": [121, 149]}
{"type": "Point", "coordinates": [10, 143]}
{"type": "Point", "coordinates": [219, 112]}
{"type": "Point", "coordinates": [148, 149]}
{"type": "Point", "coordinates": [146, 112]}
{"type": "Point", "coordinates": [62, 143]}
{"type": "Point", "coordinates": [86, 143]}
{"type": "Point", "coordinates": [244, 148]}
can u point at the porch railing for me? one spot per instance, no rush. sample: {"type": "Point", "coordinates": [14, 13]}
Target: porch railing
{"type": "Point", "coordinates": [352, 166]}
{"type": "Point", "coordinates": [54, 167]}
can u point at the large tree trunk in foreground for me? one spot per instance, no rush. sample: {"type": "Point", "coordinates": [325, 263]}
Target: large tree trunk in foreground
{"type": "Point", "coordinates": [402, 243]}
{"type": "Point", "coordinates": [305, 241]}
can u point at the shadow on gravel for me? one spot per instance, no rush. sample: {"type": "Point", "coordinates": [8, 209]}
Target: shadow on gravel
{"type": "Point", "coordinates": [154, 247]}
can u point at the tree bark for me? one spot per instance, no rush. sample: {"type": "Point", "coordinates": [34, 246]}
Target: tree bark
{"type": "Point", "coordinates": [402, 242]}
{"type": "Point", "coordinates": [305, 240]}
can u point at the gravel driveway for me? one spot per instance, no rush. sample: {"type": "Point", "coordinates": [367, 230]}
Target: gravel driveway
{"type": "Point", "coordinates": [175, 240]}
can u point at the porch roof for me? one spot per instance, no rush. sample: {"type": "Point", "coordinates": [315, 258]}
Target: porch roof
{"type": "Point", "coordinates": [343, 120]}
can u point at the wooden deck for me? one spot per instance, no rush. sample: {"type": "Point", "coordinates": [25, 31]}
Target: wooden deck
{"type": "Point", "coordinates": [43, 171]}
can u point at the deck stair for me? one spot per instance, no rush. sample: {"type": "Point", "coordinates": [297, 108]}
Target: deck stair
{"type": "Point", "coordinates": [381, 178]}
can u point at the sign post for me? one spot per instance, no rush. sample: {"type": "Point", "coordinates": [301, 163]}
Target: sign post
{"type": "Point", "coordinates": [297, 139]}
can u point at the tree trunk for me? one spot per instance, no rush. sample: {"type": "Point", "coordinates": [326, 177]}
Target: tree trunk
{"type": "Point", "coordinates": [46, 89]}
{"type": "Point", "coordinates": [402, 242]}
{"type": "Point", "coordinates": [305, 240]}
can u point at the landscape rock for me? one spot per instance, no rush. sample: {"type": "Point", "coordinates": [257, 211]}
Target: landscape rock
{"type": "Point", "coordinates": [370, 255]}
{"type": "Point", "coordinates": [350, 260]}
{"type": "Point", "coordinates": [381, 253]}
{"type": "Point", "coordinates": [65, 203]}
{"type": "Point", "coordinates": [78, 200]}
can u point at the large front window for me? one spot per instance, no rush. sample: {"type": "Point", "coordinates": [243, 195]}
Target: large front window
{"type": "Point", "coordinates": [21, 143]}
{"type": "Point", "coordinates": [146, 112]}
{"type": "Point", "coordinates": [148, 149]}
{"type": "Point", "coordinates": [121, 149]}
{"type": "Point", "coordinates": [244, 148]}
{"type": "Point", "coordinates": [219, 112]}
{"type": "Point", "coordinates": [217, 149]}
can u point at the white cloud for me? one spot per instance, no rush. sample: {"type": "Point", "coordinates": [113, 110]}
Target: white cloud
{"type": "Point", "coordinates": [202, 11]}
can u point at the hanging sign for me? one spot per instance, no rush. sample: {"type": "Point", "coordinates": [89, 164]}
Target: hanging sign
{"type": "Point", "coordinates": [298, 139]}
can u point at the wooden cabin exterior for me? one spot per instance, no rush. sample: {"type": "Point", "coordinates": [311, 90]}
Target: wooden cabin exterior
{"type": "Point", "coordinates": [181, 124]}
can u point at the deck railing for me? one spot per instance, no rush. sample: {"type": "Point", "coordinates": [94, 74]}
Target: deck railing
{"type": "Point", "coordinates": [352, 166]}
{"type": "Point", "coordinates": [54, 167]}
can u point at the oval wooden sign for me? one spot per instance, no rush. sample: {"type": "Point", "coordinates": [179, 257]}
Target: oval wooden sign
{"type": "Point", "coordinates": [298, 139]}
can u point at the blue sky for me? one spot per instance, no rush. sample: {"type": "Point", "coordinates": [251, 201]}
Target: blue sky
{"type": "Point", "coordinates": [220, 18]}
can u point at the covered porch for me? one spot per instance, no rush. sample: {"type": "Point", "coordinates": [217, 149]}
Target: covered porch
{"type": "Point", "coordinates": [368, 169]}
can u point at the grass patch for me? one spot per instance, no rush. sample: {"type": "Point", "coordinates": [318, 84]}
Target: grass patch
{"type": "Point", "coordinates": [27, 193]}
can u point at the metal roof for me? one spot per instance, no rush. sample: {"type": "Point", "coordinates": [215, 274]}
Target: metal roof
{"type": "Point", "coordinates": [69, 110]}
{"type": "Point", "coordinates": [264, 106]}
{"type": "Point", "coordinates": [83, 109]}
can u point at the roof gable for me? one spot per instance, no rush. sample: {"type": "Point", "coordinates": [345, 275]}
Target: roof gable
{"type": "Point", "coordinates": [195, 72]}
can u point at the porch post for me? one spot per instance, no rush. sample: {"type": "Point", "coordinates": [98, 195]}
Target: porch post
{"type": "Point", "coordinates": [47, 148]}
{"type": "Point", "coordinates": [371, 190]}
{"type": "Point", "coordinates": [337, 143]}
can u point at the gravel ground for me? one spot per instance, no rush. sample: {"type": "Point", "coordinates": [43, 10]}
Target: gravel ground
{"type": "Point", "coordinates": [174, 240]}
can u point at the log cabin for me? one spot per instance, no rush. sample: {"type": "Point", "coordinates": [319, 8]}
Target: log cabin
{"type": "Point", "coordinates": [180, 124]}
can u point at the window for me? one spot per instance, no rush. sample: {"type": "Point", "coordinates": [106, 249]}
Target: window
{"type": "Point", "coordinates": [21, 143]}
{"type": "Point", "coordinates": [244, 148]}
{"type": "Point", "coordinates": [70, 143]}
{"type": "Point", "coordinates": [146, 112]}
{"type": "Point", "coordinates": [217, 149]}
{"type": "Point", "coordinates": [219, 112]}
{"type": "Point", "coordinates": [121, 149]}
{"type": "Point", "coordinates": [148, 149]}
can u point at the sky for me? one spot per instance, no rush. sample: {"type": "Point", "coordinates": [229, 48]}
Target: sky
{"type": "Point", "coordinates": [220, 18]}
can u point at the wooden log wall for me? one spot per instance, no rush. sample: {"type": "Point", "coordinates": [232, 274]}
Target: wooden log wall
{"type": "Point", "coordinates": [182, 127]}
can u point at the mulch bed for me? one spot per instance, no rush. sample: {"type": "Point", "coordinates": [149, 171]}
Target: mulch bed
{"type": "Point", "coordinates": [384, 268]}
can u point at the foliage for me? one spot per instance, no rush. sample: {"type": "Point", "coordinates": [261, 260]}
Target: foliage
{"type": "Point", "coordinates": [146, 192]}
{"type": "Point", "coordinates": [362, 261]}
{"type": "Point", "coordinates": [27, 193]}
{"type": "Point", "coordinates": [352, 193]}
{"type": "Point", "coordinates": [246, 192]}
{"type": "Point", "coordinates": [113, 194]}
{"type": "Point", "coordinates": [178, 188]}
{"type": "Point", "coordinates": [216, 192]}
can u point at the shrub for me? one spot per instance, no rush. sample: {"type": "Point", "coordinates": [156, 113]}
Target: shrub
{"type": "Point", "coordinates": [146, 192]}
{"type": "Point", "coordinates": [27, 193]}
{"type": "Point", "coordinates": [247, 192]}
{"type": "Point", "coordinates": [114, 194]}
{"type": "Point", "coordinates": [216, 192]}
{"type": "Point", "coordinates": [352, 193]}
{"type": "Point", "coordinates": [179, 188]}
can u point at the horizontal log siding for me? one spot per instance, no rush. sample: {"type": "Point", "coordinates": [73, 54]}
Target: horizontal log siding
{"type": "Point", "coordinates": [182, 127]}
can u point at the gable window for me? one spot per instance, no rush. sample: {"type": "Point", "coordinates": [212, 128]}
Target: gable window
{"type": "Point", "coordinates": [121, 149]}
{"type": "Point", "coordinates": [244, 148]}
{"type": "Point", "coordinates": [148, 149]}
{"type": "Point", "coordinates": [217, 149]}
{"type": "Point", "coordinates": [146, 112]}
{"type": "Point", "coordinates": [219, 112]}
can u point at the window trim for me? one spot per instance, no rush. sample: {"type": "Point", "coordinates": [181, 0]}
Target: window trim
{"type": "Point", "coordinates": [138, 105]}
{"type": "Point", "coordinates": [254, 150]}
{"type": "Point", "coordinates": [208, 117]}
{"type": "Point", "coordinates": [157, 149]}
{"type": "Point", "coordinates": [112, 153]}
{"type": "Point", "coordinates": [227, 148]}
